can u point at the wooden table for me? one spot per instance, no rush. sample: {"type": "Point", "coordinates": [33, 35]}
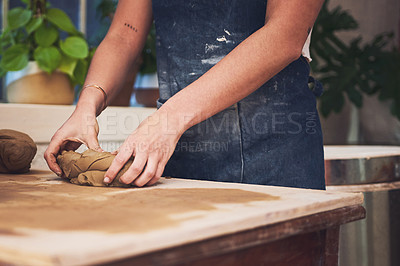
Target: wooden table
{"type": "Point", "coordinates": [47, 221]}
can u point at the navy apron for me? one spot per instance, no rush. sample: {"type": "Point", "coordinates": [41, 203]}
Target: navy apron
{"type": "Point", "coordinates": [271, 137]}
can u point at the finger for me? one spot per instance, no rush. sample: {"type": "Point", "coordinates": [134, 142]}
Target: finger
{"type": "Point", "coordinates": [50, 156]}
{"type": "Point", "coordinates": [153, 181]}
{"type": "Point", "coordinates": [93, 143]}
{"type": "Point", "coordinates": [71, 146]}
{"type": "Point", "coordinates": [158, 175]}
{"type": "Point", "coordinates": [148, 173]}
{"type": "Point", "coordinates": [119, 161]}
{"type": "Point", "coordinates": [135, 169]}
{"type": "Point", "coordinates": [77, 140]}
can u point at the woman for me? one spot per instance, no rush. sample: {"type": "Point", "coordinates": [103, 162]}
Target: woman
{"type": "Point", "coordinates": [233, 91]}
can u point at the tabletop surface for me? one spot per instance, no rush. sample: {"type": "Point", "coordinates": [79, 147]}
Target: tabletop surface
{"type": "Point", "coordinates": [46, 220]}
{"type": "Point", "coordinates": [346, 152]}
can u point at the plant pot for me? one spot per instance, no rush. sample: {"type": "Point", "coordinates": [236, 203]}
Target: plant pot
{"type": "Point", "coordinates": [33, 85]}
{"type": "Point", "coordinates": [146, 90]}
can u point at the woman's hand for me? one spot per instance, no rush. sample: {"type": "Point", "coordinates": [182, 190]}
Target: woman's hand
{"type": "Point", "coordinates": [152, 144]}
{"type": "Point", "coordinates": [110, 67]}
{"type": "Point", "coordinates": [80, 128]}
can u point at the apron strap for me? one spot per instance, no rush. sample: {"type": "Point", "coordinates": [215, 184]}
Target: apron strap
{"type": "Point", "coordinates": [316, 86]}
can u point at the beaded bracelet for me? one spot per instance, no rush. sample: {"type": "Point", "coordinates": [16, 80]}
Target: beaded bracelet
{"type": "Point", "coordinates": [101, 89]}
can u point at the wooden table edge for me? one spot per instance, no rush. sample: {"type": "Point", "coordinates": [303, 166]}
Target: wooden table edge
{"type": "Point", "coordinates": [185, 254]}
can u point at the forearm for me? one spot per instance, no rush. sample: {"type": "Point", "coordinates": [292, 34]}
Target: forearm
{"type": "Point", "coordinates": [241, 72]}
{"type": "Point", "coordinates": [253, 62]}
{"type": "Point", "coordinates": [110, 67]}
{"type": "Point", "coordinates": [115, 57]}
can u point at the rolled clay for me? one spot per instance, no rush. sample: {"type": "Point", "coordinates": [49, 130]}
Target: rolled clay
{"type": "Point", "coordinates": [89, 168]}
{"type": "Point", "coordinates": [17, 150]}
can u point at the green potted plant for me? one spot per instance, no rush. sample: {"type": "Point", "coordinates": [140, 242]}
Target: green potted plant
{"type": "Point", "coordinates": [350, 71]}
{"type": "Point", "coordinates": [355, 74]}
{"type": "Point", "coordinates": [43, 55]}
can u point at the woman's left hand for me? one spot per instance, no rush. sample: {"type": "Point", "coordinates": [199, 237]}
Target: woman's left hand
{"type": "Point", "coordinates": [151, 144]}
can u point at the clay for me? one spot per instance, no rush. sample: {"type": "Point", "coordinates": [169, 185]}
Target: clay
{"type": "Point", "coordinates": [43, 202]}
{"type": "Point", "coordinates": [17, 150]}
{"type": "Point", "coordinates": [89, 168]}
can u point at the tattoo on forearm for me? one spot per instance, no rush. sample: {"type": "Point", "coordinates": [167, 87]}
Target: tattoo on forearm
{"type": "Point", "coordinates": [131, 27]}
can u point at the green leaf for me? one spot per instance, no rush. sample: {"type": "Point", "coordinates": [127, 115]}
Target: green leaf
{"type": "Point", "coordinates": [81, 71]}
{"type": "Point", "coordinates": [48, 58]}
{"type": "Point", "coordinates": [20, 37]}
{"type": "Point", "coordinates": [105, 8]}
{"type": "Point", "coordinates": [2, 72]}
{"type": "Point", "coordinates": [324, 109]}
{"type": "Point", "coordinates": [355, 96]}
{"type": "Point", "coordinates": [75, 47]}
{"type": "Point", "coordinates": [91, 52]}
{"type": "Point", "coordinates": [61, 20]}
{"type": "Point", "coordinates": [46, 36]}
{"type": "Point", "coordinates": [33, 24]}
{"type": "Point", "coordinates": [18, 17]}
{"type": "Point", "coordinates": [5, 32]}
{"type": "Point", "coordinates": [5, 38]}
{"type": "Point", "coordinates": [68, 65]}
{"type": "Point", "coordinates": [339, 103]}
{"type": "Point", "coordinates": [15, 58]}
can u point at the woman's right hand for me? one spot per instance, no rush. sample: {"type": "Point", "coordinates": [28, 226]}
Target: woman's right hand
{"type": "Point", "coordinates": [80, 128]}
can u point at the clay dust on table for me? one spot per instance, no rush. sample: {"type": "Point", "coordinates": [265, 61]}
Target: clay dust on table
{"type": "Point", "coordinates": [28, 202]}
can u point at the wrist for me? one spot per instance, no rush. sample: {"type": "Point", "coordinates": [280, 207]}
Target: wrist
{"type": "Point", "coordinates": [176, 119]}
{"type": "Point", "coordinates": [91, 100]}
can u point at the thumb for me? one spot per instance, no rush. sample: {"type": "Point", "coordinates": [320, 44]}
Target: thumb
{"type": "Point", "coordinates": [93, 143]}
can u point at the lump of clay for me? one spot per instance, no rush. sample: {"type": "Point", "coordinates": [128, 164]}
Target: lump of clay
{"type": "Point", "coordinates": [89, 168]}
{"type": "Point", "coordinates": [17, 150]}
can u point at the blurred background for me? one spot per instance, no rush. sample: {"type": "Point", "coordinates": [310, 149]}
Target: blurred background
{"type": "Point", "coordinates": [355, 51]}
